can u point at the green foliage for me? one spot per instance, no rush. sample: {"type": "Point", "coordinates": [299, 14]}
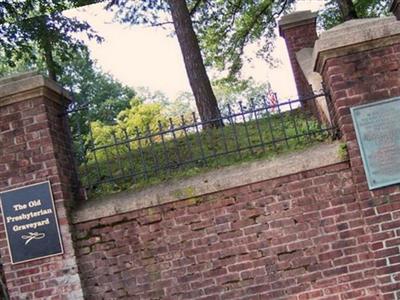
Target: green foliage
{"type": "Point", "coordinates": [144, 117]}
{"type": "Point", "coordinates": [182, 105]}
{"type": "Point", "coordinates": [331, 16]}
{"type": "Point", "coordinates": [39, 31]}
{"type": "Point", "coordinates": [343, 152]}
{"type": "Point", "coordinates": [12, 11]}
{"type": "Point", "coordinates": [140, 12]}
{"type": "Point", "coordinates": [103, 95]}
{"type": "Point", "coordinates": [102, 134]}
{"type": "Point", "coordinates": [7, 68]}
{"type": "Point", "coordinates": [227, 92]}
{"type": "Point", "coordinates": [137, 118]}
{"type": "Point", "coordinates": [225, 28]}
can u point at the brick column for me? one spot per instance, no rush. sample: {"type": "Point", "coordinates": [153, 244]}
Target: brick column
{"type": "Point", "coordinates": [299, 31]}
{"type": "Point", "coordinates": [360, 63]}
{"type": "Point", "coordinates": [34, 147]}
{"type": "Point", "coordinates": [395, 8]}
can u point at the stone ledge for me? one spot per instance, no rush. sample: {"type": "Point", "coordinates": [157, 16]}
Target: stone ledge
{"type": "Point", "coordinates": [355, 36]}
{"type": "Point", "coordinates": [28, 85]}
{"type": "Point", "coordinates": [214, 181]}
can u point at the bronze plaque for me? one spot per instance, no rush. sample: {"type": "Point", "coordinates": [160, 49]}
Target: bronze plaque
{"type": "Point", "coordinates": [377, 127]}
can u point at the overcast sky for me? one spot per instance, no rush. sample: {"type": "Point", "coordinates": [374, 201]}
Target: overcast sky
{"type": "Point", "coordinates": [149, 57]}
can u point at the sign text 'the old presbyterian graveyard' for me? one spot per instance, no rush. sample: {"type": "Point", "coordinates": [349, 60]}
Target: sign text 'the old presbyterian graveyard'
{"type": "Point", "coordinates": [31, 224]}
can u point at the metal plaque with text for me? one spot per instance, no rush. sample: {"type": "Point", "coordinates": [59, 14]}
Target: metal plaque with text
{"type": "Point", "coordinates": [31, 223]}
{"type": "Point", "coordinates": [377, 128]}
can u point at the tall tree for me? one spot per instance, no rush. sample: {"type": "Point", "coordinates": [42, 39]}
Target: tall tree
{"type": "Point", "coordinates": [205, 99]}
{"type": "Point", "coordinates": [347, 9]}
{"type": "Point", "coordinates": [150, 12]}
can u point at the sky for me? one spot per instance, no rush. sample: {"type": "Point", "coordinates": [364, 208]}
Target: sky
{"type": "Point", "coordinates": [150, 57]}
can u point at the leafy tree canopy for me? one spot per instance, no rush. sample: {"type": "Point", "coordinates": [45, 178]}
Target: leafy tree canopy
{"type": "Point", "coordinates": [46, 35]}
{"type": "Point", "coordinates": [143, 116]}
{"type": "Point", "coordinates": [225, 28]}
{"type": "Point", "coordinates": [100, 92]}
{"type": "Point", "coordinates": [103, 95]}
{"type": "Point", "coordinates": [14, 10]}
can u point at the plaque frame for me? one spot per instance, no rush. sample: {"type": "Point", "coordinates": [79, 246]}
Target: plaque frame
{"type": "Point", "coordinates": [372, 183]}
{"type": "Point", "coordinates": [61, 252]}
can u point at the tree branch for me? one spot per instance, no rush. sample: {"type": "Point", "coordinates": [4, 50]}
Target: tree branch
{"type": "Point", "coordinates": [161, 24]}
{"type": "Point", "coordinates": [240, 43]}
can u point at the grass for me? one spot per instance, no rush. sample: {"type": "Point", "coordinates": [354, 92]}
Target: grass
{"type": "Point", "coordinates": [186, 151]}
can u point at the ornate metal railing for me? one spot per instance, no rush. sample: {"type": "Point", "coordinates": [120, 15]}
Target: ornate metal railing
{"type": "Point", "coordinates": [119, 157]}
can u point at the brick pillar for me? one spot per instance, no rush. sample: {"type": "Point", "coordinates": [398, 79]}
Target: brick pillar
{"type": "Point", "coordinates": [299, 31]}
{"type": "Point", "coordinates": [395, 8]}
{"type": "Point", "coordinates": [35, 147]}
{"type": "Point", "coordinates": [360, 63]}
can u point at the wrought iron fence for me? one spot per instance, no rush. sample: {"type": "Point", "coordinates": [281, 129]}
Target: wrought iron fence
{"type": "Point", "coordinates": [120, 157]}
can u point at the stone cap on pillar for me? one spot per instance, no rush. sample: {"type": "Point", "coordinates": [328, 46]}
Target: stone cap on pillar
{"type": "Point", "coordinates": [28, 85]}
{"type": "Point", "coordinates": [296, 19]}
{"type": "Point", "coordinates": [355, 36]}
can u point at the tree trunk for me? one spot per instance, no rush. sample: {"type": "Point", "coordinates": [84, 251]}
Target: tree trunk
{"type": "Point", "coordinates": [45, 44]}
{"type": "Point", "coordinates": [347, 10]}
{"type": "Point", "coordinates": [199, 82]}
{"type": "Point", "coordinates": [50, 64]}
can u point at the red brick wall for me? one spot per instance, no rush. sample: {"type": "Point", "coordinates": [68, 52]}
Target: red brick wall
{"type": "Point", "coordinates": [304, 236]}
{"type": "Point", "coordinates": [360, 78]}
{"type": "Point", "coordinates": [33, 148]}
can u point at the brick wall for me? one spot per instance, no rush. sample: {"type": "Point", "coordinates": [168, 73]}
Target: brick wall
{"type": "Point", "coordinates": [33, 148]}
{"type": "Point", "coordinates": [361, 78]}
{"type": "Point", "coordinates": [301, 236]}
